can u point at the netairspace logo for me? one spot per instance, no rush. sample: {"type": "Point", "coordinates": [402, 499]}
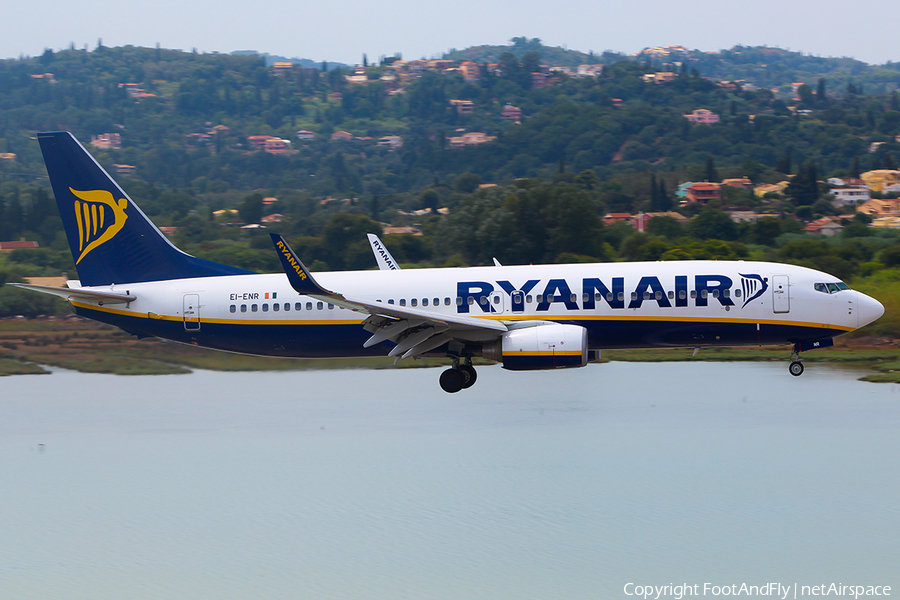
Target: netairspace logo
{"type": "Point", "coordinates": [774, 590]}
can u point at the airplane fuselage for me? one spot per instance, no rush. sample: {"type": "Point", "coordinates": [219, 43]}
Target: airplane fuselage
{"type": "Point", "coordinates": [622, 305]}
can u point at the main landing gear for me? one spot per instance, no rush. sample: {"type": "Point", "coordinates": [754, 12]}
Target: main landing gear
{"type": "Point", "coordinates": [459, 376]}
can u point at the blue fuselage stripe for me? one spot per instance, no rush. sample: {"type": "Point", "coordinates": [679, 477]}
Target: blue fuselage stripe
{"type": "Point", "coordinates": [346, 340]}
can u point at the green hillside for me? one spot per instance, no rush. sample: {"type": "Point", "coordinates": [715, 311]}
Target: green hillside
{"type": "Point", "coordinates": [581, 148]}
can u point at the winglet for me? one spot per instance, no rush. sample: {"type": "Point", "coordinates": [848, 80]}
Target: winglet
{"type": "Point", "coordinates": [384, 259]}
{"type": "Point", "coordinates": [297, 273]}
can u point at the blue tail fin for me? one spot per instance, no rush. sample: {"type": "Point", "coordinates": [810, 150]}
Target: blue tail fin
{"type": "Point", "coordinates": [111, 240]}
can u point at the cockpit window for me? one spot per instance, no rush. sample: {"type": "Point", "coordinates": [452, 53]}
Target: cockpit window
{"type": "Point", "coordinates": [831, 288]}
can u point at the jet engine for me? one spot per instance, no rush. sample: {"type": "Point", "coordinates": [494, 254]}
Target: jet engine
{"type": "Point", "coordinates": [539, 347]}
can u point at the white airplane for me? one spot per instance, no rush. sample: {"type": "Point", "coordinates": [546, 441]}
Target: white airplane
{"type": "Point", "coordinates": [525, 317]}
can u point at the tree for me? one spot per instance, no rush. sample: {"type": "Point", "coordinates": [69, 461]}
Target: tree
{"type": "Point", "coordinates": [251, 208]}
{"type": "Point", "coordinates": [712, 224]}
{"type": "Point", "coordinates": [784, 163]}
{"type": "Point", "coordinates": [820, 92]}
{"type": "Point", "coordinates": [429, 199]}
{"type": "Point", "coordinates": [345, 243]}
{"type": "Point", "coordinates": [467, 183]}
{"type": "Point", "coordinates": [711, 173]}
{"type": "Point", "coordinates": [804, 187]}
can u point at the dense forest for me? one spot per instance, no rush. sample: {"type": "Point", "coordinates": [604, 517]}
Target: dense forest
{"type": "Point", "coordinates": [583, 147]}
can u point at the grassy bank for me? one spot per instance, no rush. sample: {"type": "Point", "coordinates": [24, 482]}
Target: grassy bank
{"type": "Point", "coordinates": [92, 347]}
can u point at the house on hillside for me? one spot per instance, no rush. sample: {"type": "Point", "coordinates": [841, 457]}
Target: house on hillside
{"type": "Point", "coordinates": [703, 192]}
{"type": "Point", "coordinates": [702, 116]}
{"type": "Point", "coordinates": [511, 113]}
{"type": "Point", "coordinates": [879, 179]}
{"type": "Point", "coordinates": [879, 208]}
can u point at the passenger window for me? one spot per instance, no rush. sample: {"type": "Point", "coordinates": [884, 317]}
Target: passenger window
{"type": "Point", "coordinates": [693, 293]}
{"type": "Point", "coordinates": [726, 293]}
{"type": "Point", "coordinates": [528, 299]}
{"type": "Point", "coordinates": [682, 294]}
{"type": "Point", "coordinates": [391, 301]}
{"type": "Point", "coordinates": [539, 298]}
{"type": "Point", "coordinates": [330, 306]}
{"type": "Point", "coordinates": [573, 298]}
{"type": "Point", "coordinates": [309, 306]}
{"type": "Point", "coordinates": [266, 307]}
{"type": "Point", "coordinates": [414, 302]}
{"type": "Point", "coordinates": [620, 296]}
{"type": "Point", "coordinates": [586, 297]}
{"type": "Point", "coordinates": [287, 306]}
{"type": "Point", "coordinates": [715, 293]}
{"type": "Point", "coordinates": [671, 295]}
{"type": "Point", "coordinates": [424, 301]}
{"type": "Point", "coordinates": [658, 295]}
{"type": "Point", "coordinates": [402, 301]}
{"type": "Point", "coordinates": [609, 297]}
{"type": "Point", "coordinates": [437, 301]}
{"type": "Point", "coordinates": [243, 308]}
{"type": "Point", "coordinates": [446, 301]}
{"type": "Point", "coordinates": [471, 300]}
{"type": "Point", "coordinates": [483, 300]}
{"type": "Point", "coordinates": [276, 307]}
{"type": "Point", "coordinates": [232, 308]}
{"type": "Point", "coordinates": [254, 307]}
{"type": "Point", "coordinates": [459, 301]}
{"type": "Point", "coordinates": [646, 295]}
{"type": "Point", "coordinates": [704, 293]}
{"type": "Point", "coordinates": [497, 299]}
{"type": "Point", "coordinates": [319, 306]}
{"type": "Point", "coordinates": [737, 293]}
{"type": "Point", "coordinates": [633, 296]}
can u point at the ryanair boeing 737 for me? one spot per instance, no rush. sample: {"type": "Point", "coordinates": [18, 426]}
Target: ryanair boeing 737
{"type": "Point", "coordinates": [525, 317]}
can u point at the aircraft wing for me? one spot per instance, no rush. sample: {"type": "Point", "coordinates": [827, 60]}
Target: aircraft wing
{"type": "Point", "coordinates": [414, 331]}
{"type": "Point", "coordinates": [67, 293]}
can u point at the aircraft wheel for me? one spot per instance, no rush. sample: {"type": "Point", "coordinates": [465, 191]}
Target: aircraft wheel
{"type": "Point", "coordinates": [469, 375]}
{"type": "Point", "coordinates": [452, 380]}
{"type": "Point", "coordinates": [796, 368]}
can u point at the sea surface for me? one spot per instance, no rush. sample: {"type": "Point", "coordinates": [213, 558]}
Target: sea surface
{"type": "Point", "coordinates": [375, 484]}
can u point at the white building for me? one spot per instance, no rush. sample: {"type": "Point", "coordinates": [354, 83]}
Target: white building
{"type": "Point", "coordinates": [849, 196]}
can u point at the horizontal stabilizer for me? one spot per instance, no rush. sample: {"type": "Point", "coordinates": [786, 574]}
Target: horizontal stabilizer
{"type": "Point", "coordinates": [104, 297]}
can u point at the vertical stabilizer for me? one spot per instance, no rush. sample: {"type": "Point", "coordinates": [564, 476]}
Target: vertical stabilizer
{"type": "Point", "coordinates": [111, 240]}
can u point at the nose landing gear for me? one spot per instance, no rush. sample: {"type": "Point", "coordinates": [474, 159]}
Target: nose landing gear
{"type": "Point", "coordinates": [796, 367]}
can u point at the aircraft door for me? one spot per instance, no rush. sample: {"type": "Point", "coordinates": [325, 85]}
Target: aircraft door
{"type": "Point", "coordinates": [191, 312]}
{"type": "Point", "coordinates": [781, 298]}
{"type": "Point", "coordinates": [496, 300]}
{"type": "Point", "coordinates": [517, 301]}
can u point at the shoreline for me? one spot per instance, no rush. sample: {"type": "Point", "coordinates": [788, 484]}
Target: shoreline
{"type": "Point", "coordinates": [90, 347]}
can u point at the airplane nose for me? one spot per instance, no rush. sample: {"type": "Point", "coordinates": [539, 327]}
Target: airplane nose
{"type": "Point", "coordinates": [869, 310]}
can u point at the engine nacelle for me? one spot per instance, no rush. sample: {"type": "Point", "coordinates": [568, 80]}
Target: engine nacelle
{"type": "Point", "coordinates": [540, 347]}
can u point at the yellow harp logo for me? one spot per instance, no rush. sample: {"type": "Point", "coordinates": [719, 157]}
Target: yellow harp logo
{"type": "Point", "coordinates": [99, 219]}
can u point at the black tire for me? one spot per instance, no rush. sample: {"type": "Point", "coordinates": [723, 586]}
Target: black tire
{"type": "Point", "coordinates": [452, 381]}
{"type": "Point", "coordinates": [469, 376]}
{"type": "Point", "coordinates": [796, 368]}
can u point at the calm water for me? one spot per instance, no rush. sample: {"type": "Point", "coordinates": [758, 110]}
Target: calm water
{"type": "Point", "coordinates": [375, 484]}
